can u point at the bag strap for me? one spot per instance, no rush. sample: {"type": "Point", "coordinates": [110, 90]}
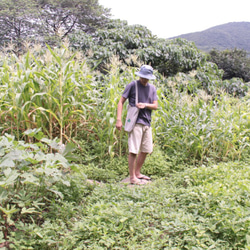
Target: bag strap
{"type": "Point", "coordinates": [136, 93]}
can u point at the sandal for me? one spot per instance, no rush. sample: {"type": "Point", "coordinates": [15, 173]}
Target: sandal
{"type": "Point", "coordinates": [138, 182]}
{"type": "Point", "coordinates": [144, 177]}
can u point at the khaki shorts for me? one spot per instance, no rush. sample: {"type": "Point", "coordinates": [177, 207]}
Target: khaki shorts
{"type": "Point", "coordinates": [140, 139]}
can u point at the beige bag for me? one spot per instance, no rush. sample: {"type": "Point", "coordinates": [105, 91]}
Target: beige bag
{"type": "Point", "coordinates": [132, 114]}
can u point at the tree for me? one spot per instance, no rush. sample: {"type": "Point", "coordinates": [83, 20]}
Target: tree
{"type": "Point", "coordinates": [17, 21]}
{"type": "Point", "coordinates": [116, 38]}
{"type": "Point", "coordinates": [48, 20]}
{"type": "Point", "coordinates": [119, 38]}
{"type": "Point", "coordinates": [172, 56]}
{"type": "Point", "coordinates": [235, 63]}
{"type": "Point", "coordinates": [61, 17]}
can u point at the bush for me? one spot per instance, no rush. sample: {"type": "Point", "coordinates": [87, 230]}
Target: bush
{"type": "Point", "coordinates": [235, 63]}
{"type": "Point", "coordinates": [28, 185]}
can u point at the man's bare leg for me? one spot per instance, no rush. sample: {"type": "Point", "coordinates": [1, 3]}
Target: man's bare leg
{"type": "Point", "coordinates": [131, 166]}
{"type": "Point", "coordinates": [139, 162]}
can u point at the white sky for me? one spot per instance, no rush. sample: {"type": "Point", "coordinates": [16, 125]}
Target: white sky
{"type": "Point", "coordinates": [168, 18]}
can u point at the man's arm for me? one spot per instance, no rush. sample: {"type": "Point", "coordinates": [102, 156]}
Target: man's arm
{"type": "Point", "coordinates": [119, 113]}
{"type": "Point", "coordinates": [152, 106]}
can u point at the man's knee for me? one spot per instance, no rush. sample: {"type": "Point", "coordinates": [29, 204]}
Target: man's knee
{"type": "Point", "coordinates": [132, 154]}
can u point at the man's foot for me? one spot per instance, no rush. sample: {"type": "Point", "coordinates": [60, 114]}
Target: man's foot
{"type": "Point", "coordinates": [137, 182]}
{"type": "Point", "coordinates": [144, 177]}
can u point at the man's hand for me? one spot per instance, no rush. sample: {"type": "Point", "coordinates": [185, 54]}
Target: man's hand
{"type": "Point", "coordinates": [141, 105]}
{"type": "Point", "coordinates": [119, 124]}
{"type": "Point", "coordinates": [151, 106]}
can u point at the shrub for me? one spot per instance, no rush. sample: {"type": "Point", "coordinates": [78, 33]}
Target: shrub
{"type": "Point", "coordinates": [28, 179]}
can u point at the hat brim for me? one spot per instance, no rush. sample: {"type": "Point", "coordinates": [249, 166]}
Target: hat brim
{"type": "Point", "coordinates": [149, 77]}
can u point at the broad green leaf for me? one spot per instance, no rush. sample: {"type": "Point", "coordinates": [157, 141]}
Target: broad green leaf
{"type": "Point", "coordinates": [29, 178]}
{"type": "Point", "coordinates": [7, 163]}
{"type": "Point", "coordinates": [10, 177]}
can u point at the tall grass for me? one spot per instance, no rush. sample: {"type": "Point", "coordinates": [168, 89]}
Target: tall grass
{"type": "Point", "coordinates": [202, 130]}
{"type": "Point", "coordinates": [55, 90]}
{"type": "Point", "coordinates": [47, 90]}
{"type": "Point", "coordinates": [110, 141]}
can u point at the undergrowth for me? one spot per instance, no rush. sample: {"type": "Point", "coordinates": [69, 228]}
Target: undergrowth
{"type": "Point", "coordinates": [204, 207]}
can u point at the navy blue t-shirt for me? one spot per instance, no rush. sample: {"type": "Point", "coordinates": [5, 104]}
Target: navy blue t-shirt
{"type": "Point", "coordinates": [146, 94]}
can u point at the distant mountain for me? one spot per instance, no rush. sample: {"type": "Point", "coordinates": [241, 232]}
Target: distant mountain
{"type": "Point", "coordinates": [221, 37]}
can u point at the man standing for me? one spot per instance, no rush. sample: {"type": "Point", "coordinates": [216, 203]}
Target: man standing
{"type": "Point", "coordinates": [140, 140]}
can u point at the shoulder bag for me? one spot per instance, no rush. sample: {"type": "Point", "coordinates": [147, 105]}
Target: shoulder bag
{"type": "Point", "coordinates": [132, 113]}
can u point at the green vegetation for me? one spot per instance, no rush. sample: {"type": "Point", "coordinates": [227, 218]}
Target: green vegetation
{"type": "Point", "coordinates": [58, 130]}
{"type": "Point", "coordinates": [47, 21]}
{"type": "Point", "coordinates": [235, 63]}
{"type": "Point", "coordinates": [123, 40]}
{"type": "Point", "coordinates": [62, 160]}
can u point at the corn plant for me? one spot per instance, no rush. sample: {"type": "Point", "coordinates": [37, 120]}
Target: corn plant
{"type": "Point", "coordinates": [49, 90]}
{"type": "Point", "coordinates": [202, 130]}
{"type": "Point", "coordinates": [110, 141]}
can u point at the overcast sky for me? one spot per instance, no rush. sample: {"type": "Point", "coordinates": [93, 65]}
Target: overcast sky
{"type": "Point", "coordinates": [168, 18]}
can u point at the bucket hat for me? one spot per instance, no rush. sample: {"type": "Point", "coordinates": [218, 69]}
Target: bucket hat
{"type": "Point", "coordinates": [146, 71]}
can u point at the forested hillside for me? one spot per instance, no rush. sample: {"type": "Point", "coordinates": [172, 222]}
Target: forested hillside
{"type": "Point", "coordinates": [226, 36]}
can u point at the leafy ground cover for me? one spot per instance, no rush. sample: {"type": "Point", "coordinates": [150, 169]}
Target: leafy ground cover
{"type": "Point", "coordinates": [200, 208]}
{"type": "Point", "coordinates": [204, 207]}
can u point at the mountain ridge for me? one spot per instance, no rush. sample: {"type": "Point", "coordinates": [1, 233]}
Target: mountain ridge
{"type": "Point", "coordinates": [225, 36]}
